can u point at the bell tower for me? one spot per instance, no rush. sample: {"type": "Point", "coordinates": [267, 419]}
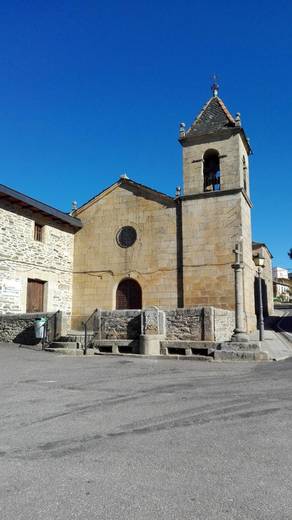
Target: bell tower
{"type": "Point", "coordinates": [215, 150]}
{"type": "Point", "coordinates": [216, 208]}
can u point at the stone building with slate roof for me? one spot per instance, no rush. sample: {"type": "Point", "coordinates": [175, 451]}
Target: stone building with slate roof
{"type": "Point", "coordinates": [131, 247]}
{"type": "Point", "coordinates": [138, 247]}
{"type": "Point", "coordinates": [36, 256]}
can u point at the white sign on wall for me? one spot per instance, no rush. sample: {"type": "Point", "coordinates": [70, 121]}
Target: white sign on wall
{"type": "Point", "coordinates": [10, 287]}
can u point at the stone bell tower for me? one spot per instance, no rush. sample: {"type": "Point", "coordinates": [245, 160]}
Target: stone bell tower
{"type": "Point", "coordinates": [215, 209]}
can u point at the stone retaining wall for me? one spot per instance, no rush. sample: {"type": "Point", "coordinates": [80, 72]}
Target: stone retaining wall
{"type": "Point", "coordinates": [199, 324]}
{"type": "Point", "coordinates": [185, 324]}
{"type": "Point", "coordinates": [19, 328]}
{"type": "Point", "coordinates": [195, 324]}
{"type": "Point", "coordinates": [120, 324]}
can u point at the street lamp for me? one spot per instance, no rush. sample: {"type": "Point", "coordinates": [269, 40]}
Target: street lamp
{"type": "Point", "coordinates": [260, 263]}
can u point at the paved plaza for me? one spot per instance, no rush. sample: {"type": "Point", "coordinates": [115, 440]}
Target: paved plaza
{"type": "Point", "coordinates": [120, 438]}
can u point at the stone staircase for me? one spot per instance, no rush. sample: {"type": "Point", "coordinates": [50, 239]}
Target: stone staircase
{"type": "Point", "coordinates": [244, 351]}
{"type": "Point", "coordinates": [71, 344]}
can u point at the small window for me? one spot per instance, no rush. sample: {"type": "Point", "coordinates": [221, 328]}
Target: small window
{"type": "Point", "coordinates": [211, 171]}
{"type": "Point", "coordinates": [38, 232]}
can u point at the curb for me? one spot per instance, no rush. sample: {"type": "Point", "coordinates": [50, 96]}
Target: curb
{"type": "Point", "coordinates": [171, 356]}
{"type": "Point", "coordinates": [286, 334]}
{"type": "Point", "coordinates": [79, 353]}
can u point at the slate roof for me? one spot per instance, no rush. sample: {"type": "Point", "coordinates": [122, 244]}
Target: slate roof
{"type": "Point", "coordinates": [258, 245]}
{"type": "Point", "coordinates": [213, 117]}
{"type": "Point", "coordinates": [15, 198]}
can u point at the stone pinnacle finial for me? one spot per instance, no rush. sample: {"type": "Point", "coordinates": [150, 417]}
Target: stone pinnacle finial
{"type": "Point", "coordinates": [237, 119]}
{"type": "Point", "coordinates": [182, 129]}
{"type": "Point", "coordinates": [215, 86]}
{"type": "Point", "coordinates": [124, 176]}
{"type": "Point", "coordinates": [73, 207]}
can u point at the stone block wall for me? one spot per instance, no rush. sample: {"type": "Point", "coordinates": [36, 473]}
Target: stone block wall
{"type": "Point", "coordinates": [184, 324]}
{"type": "Point", "coordinates": [211, 226]}
{"type": "Point", "coordinates": [248, 272]}
{"type": "Point", "coordinates": [196, 324]}
{"type": "Point", "coordinates": [120, 324]}
{"type": "Point", "coordinates": [200, 323]}
{"type": "Point", "coordinates": [19, 328]}
{"type": "Point", "coordinates": [230, 150]}
{"type": "Point", "coordinates": [213, 222]}
{"type": "Point", "coordinates": [100, 263]}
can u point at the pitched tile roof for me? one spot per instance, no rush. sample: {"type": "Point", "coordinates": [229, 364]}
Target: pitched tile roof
{"type": "Point", "coordinates": [213, 117]}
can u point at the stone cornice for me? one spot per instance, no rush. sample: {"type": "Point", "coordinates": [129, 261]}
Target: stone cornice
{"type": "Point", "coordinates": [192, 139]}
{"type": "Point", "coordinates": [210, 194]}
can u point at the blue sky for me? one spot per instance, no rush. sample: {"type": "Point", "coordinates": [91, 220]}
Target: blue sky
{"type": "Point", "coordinates": [90, 90]}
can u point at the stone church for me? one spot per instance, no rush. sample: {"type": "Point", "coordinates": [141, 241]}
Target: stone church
{"type": "Point", "coordinates": [131, 247]}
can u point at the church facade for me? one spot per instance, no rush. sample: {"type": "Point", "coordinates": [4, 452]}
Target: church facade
{"type": "Point", "coordinates": [132, 247]}
{"type": "Point", "coordinates": [180, 250]}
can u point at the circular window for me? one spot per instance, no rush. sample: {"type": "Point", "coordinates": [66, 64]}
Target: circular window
{"type": "Point", "coordinates": [126, 236]}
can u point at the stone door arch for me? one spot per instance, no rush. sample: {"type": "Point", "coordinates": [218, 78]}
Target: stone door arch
{"type": "Point", "coordinates": [129, 295]}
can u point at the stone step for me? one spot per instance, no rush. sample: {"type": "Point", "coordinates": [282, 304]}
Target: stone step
{"type": "Point", "coordinates": [65, 351]}
{"type": "Point", "coordinates": [73, 339]}
{"type": "Point", "coordinates": [71, 345]}
{"type": "Point", "coordinates": [169, 357]}
{"type": "Point", "coordinates": [69, 351]}
{"type": "Point", "coordinates": [240, 355]}
{"type": "Point", "coordinates": [240, 351]}
{"type": "Point", "coordinates": [248, 346]}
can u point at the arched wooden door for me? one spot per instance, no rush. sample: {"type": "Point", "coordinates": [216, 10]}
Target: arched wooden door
{"type": "Point", "coordinates": [129, 295]}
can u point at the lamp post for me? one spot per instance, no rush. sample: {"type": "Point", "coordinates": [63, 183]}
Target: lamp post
{"type": "Point", "coordinates": [260, 263]}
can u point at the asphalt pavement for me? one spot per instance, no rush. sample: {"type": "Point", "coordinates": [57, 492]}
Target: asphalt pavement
{"type": "Point", "coordinates": [138, 439]}
{"type": "Point", "coordinates": [286, 322]}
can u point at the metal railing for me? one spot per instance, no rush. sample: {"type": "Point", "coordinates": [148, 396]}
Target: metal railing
{"type": "Point", "coordinates": [51, 327]}
{"type": "Point", "coordinates": [93, 322]}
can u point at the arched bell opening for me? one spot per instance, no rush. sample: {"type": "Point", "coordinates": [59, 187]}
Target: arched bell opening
{"type": "Point", "coordinates": [212, 174]}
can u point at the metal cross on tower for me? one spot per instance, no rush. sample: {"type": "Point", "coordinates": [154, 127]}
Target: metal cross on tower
{"type": "Point", "coordinates": [215, 86]}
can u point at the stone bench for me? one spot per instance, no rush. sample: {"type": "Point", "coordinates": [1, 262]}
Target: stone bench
{"type": "Point", "coordinates": [115, 346]}
{"type": "Point", "coordinates": [187, 348]}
